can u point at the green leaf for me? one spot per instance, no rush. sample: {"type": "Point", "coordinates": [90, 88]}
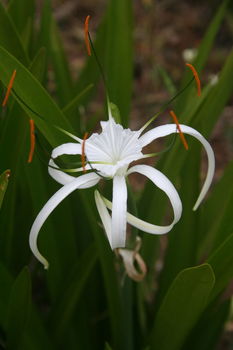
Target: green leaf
{"type": "Point", "coordinates": [112, 291]}
{"type": "Point", "coordinates": [118, 326]}
{"type": "Point", "coordinates": [4, 178]}
{"type": "Point", "coordinates": [29, 90]}
{"type": "Point", "coordinates": [6, 284]}
{"type": "Point", "coordinates": [168, 82]}
{"type": "Point", "coordinates": [11, 145]}
{"type": "Point", "coordinates": [210, 328]}
{"type": "Point", "coordinates": [185, 231]}
{"type": "Point", "coordinates": [90, 73]}
{"type": "Point", "coordinates": [204, 50]}
{"type": "Point", "coordinates": [77, 101]}
{"type": "Point", "coordinates": [10, 39]}
{"type": "Point", "coordinates": [43, 39]}
{"type": "Point", "coordinates": [208, 115]}
{"type": "Point", "coordinates": [21, 14]}
{"type": "Point", "coordinates": [205, 117]}
{"type": "Point", "coordinates": [107, 347]}
{"type": "Point", "coordinates": [64, 84]}
{"type": "Point", "coordinates": [222, 263]}
{"type": "Point", "coordinates": [19, 308]}
{"type": "Point", "coordinates": [181, 307]}
{"type": "Point", "coordinates": [208, 40]}
{"type": "Point", "coordinates": [214, 232]}
{"type": "Point", "coordinates": [119, 61]}
{"type": "Point", "coordinates": [69, 298]}
{"type": "Point", "coordinates": [115, 112]}
{"type": "Point", "coordinates": [36, 337]}
{"type": "Point", "coordinates": [38, 64]}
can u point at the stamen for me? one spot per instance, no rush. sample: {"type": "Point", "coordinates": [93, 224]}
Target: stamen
{"type": "Point", "coordinates": [32, 140]}
{"type": "Point", "coordinates": [172, 114]}
{"type": "Point", "coordinates": [165, 105]}
{"type": "Point", "coordinates": [9, 87]}
{"type": "Point", "coordinates": [86, 31]}
{"type": "Point", "coordinates": [91, 48]}
{"type": "Point", "coordinates": [196, 77]}
{"type": "Point", "coordinates": [83, 152]}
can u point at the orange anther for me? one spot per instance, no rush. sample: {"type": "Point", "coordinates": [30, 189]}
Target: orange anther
{"type": "Point", "coordinates": [32, 140]}
{"type": "Point", "coordinates": [86, 31]}
{"type": "Point", "coordinates": [196, 77]}
{"type": "Point", "coordinates": [172, 114]}
{"type": "Point", "coordinates": [83, 152]}
{"type": "Point", "coordinates": [9, 87]}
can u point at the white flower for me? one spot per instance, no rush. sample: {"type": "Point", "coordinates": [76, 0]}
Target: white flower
{"type": "Point", "coordinates": [109, 155]}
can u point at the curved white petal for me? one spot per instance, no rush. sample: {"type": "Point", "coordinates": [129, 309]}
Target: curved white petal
{"type": "Point", "coordinates": [60, 176]}
{"type": "Point", "coordinates": [84, 181]}
{"type": "Point", "coordinates": [164, 184]}
{"type": "Point", "coordinates": [66, 148]}
{"type": "Point", "coordinates": [104, 215]}
{"type": "Point", "coordinates": [119, 209]}
{"type": "Point", "coordinates": [168, 129]}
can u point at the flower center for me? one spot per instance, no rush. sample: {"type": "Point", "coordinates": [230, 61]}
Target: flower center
{"type": "Point", "coordinates": [111, 151]}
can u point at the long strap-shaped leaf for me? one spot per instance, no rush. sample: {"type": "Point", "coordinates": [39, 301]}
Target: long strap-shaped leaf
{"type": "Point", "coordinates": [181, 307]}
{"type": "Point", "coordinates": [9, 37]}
{"type": "Point", "coordinates": [32, 93]}
{"type": "Point", "coordinates": [19, 308]}
{"type": "Point", "coordinates": [119, 55]}
{"type": "Point", "coordinates": [69, 298]}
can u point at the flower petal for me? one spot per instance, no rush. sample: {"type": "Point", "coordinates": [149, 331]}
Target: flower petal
{"type": "Point", "coordinates": [129, 258]}
{"type": "Point", "coordinates": [168, 129]}
{"type": "Point", "coordinates": [104, 215]}
{"type": "Point", "coordinates": [62, 177]}
{"type": "Point", "coordinates": [119, 209]}
{"type": "Point", "coordinates": [66, 148]}
{"type": "Point", "coordinates": [164, 184]}
{"type": "Point", "coordinates": [84, 181]}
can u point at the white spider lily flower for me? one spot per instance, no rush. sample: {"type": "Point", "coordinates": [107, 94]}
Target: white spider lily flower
{"type": "Point", "coordinates": [109, 155]}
